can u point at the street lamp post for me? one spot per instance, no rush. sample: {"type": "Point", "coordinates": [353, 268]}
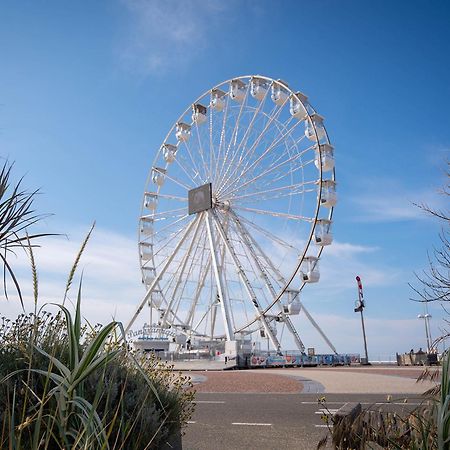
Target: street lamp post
{"type": "Point", "coordinates": [427, 318]}
{"type": "Point", "coordinates": [360, 305]}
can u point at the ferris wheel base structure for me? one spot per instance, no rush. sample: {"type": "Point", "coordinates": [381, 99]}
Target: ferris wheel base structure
{"type": "Point", "coordinates": [236, 213]}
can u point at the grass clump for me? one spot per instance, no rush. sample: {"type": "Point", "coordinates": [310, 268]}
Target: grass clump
{"type": "Point", "coordinates": [65, 385]}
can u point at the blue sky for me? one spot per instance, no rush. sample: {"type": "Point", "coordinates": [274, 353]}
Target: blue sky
{"type": "Point", "coordinates": [88, 91]}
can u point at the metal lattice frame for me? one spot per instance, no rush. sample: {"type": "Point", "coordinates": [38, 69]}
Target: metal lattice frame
{"type": "Point", "coordinates": [269, 189]}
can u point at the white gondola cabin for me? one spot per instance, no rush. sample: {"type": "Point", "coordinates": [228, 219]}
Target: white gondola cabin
{"type": "Point", "coordinates": [169, 152]}
{"type": "Point", "coordinates": [325, 157]}
{"type": "Point", "coordinates": [309, 270]}
{"type": "Point", "coordinates": [258, 88]}
{"type": "Point", "coordinates": [146, 249]}
{"type": "Point", "coordinates": [328, 197]}
{"type": "Point", "coordinates": [199, 113]}
{"type": "Point", "coordinates": [314, 128]}
{"type": "Point", "coordinates": [217, 99]}
{"type": "Point", "coordinates": [183, 131]}
{"type": "Point", "coordinates": [150, 200]}
{"type": "Point", "coordinates": [292, 305]}
{"type": "Point", "coordinates": [298, 105]}
{"type": "Point", "coordinates": [147, 226]}
{"type": "Point", "coordinates": [148, 275]}
{"type": "Point", "coordinates": [279, 92]}
{"type": "Point", "coordinates": [237, 90]}
{"type": "Point", "coordinates": [322, 232]}
{"type": "Point", "coordinates": [158, 175]}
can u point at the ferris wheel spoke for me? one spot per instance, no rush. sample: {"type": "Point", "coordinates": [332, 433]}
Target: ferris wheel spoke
{"type": "Point", "coordinates": [271, 170]}
{"type": "Point", "coordinates": [274, 213]}
{"type": "Point", "coordinates": [192, 164]}
{"type": "Point", "coordinates": [222, 137]}
{"type": "Point", "coordinates": [181, 268]}
{"type": "Point", "coordinates": [160, 231]}
{"type": "Point", "coordinates": [267, 261]}
{"type": "Point", "coordinates": [165, 214]}
{"type": "Point", "coordinates": [293, 170]}
{"type": "Point", "coordinates": [168, 197]}
{"type": "Point", "coordinates": [275, 196]}
{"type": "Point", "coordinates": [160, 274]}
{"type": "Point", "coordinates": [291, 189]}
{"type": "Point", "coordinates": [212, 156]}
{"type": "Point", "coordinates": [174, 179]}
{"type": "Point", "coordinates": [181, 166]}
{"type": "Point", "coordinates": [266, 152]}
{"type": "Point", "coordinates": [166, 243]}
{"type": "Point", "coordinates": [192, 268]}
{"type": "Point", "coordinates": [251, 150]}
{"type": "Point", "coordinates": [207, 174]}
{"type": "Point", "coordinates": [272, 167]}
{"type": "Point", "coordinates": [244, 157]}
{"type": "Point", "coordinates": [233, 135]}
{"type": "Point", "coordinates": [200, 285]}
{"type": "Point", "coordinates": [244, 139]}
{"type": "Point", "coordinates": [266, 233]}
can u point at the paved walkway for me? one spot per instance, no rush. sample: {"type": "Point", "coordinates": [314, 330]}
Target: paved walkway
{"type": "Point", "coordinates": [341, 381]}
{"type": "Point", "coordinates": [351, 380]}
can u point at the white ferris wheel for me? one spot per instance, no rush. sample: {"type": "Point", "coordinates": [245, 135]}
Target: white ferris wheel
{"type": "Point", "coordinates": [237, 209]}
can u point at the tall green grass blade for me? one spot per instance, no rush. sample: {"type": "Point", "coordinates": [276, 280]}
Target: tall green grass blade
{"type": "Point", "coordinates": [77, 323]}
{"type": "Point", "coordinates": [58, 364]}
{"type": "Point", "coordinates": [73, 343]}
{"type": "Point", "coordinates": [93, 348]}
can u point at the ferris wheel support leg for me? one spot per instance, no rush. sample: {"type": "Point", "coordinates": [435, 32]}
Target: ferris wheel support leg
{"type": "Point", "coordinates": [159, 276]}
{"type": "Point", "coordinates": [247, 285]}
{"type": "Point", "coordinates": [180, 275]}
{"type": "Point", "coordinates": [294, 332]}
{"type": "Point", "coordinates": [219, 282]}
{"type": "Point", "coordinates": [316, 326]}
{"type": "Point", "coordinates": [252, 245]}
{"type": "Point", "coordinates": [200, 286]}
{"type": "Point", "coordinates": [288, 321]}
{"type": "Point", "coordinates": [213, 319]}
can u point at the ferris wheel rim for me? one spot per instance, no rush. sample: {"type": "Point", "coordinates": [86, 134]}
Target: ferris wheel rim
{"type": "Point", "coordinates": [318, 206]}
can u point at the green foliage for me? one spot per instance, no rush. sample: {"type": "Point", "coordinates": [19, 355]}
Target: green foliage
{"type": "Point", "coordinates": [64, 385]}
{"type": "Point", "coordinates": [16, 216]}
{"type": "Point", "coordinates": [88, 393]}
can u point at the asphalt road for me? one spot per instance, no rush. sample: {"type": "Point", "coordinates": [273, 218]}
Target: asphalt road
{"type": "Point", "coordinates": [269, 421]}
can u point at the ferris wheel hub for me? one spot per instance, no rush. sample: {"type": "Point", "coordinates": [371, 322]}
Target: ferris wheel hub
{"type": "Point", "coordinates": [200, 199]}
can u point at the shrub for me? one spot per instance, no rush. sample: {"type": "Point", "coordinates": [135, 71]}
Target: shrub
{"type": "Point", "coordinates": [68, 386]}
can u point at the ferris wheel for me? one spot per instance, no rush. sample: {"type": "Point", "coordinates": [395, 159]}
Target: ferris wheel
{"type": "Point", "coordinates": [236, 211]}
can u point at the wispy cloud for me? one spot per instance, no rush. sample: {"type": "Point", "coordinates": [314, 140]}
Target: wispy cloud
{"type": "Point", "coordinates": [165, 34]}
{"type": "Point", "coordinates": [111, 276]}
{"type": "Point", "coordinates": [385, 200]}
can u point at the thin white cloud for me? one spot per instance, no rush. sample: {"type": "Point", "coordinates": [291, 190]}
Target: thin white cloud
{"type": "Point", "coordinates": [388, 201]}
{"type": "Point", "coordinates": [111, 276]}
{"type": "Point", "coordinates": [165, 34]}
